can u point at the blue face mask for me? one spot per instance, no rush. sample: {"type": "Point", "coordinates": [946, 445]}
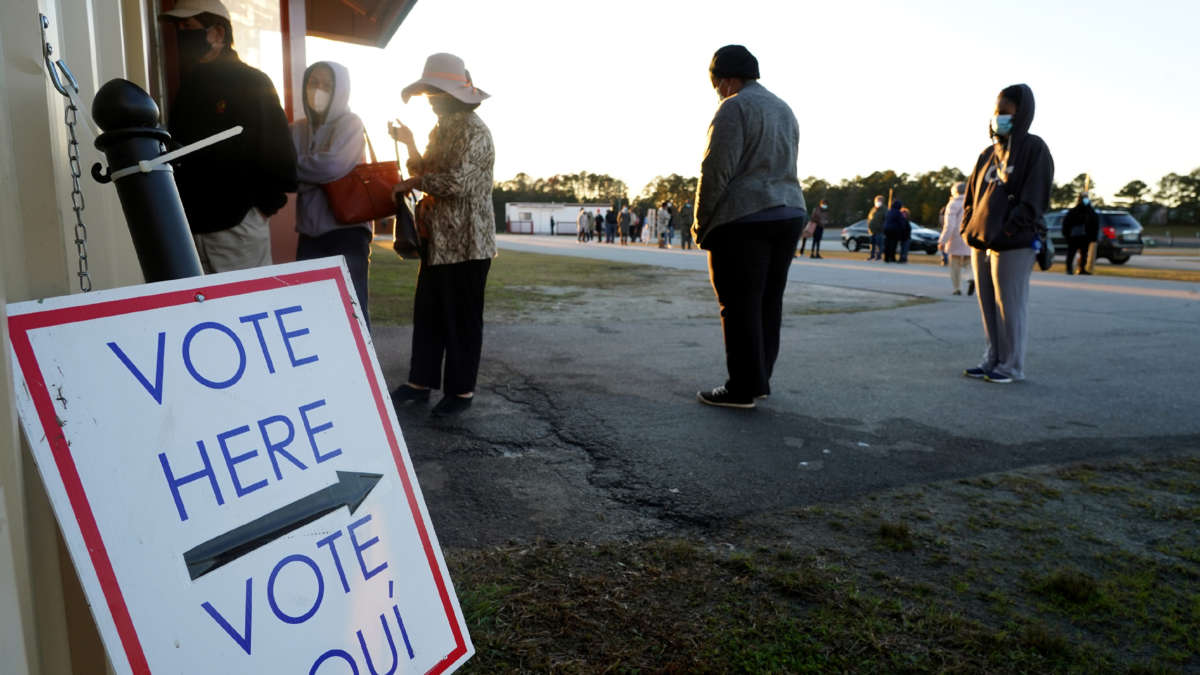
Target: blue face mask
{"type": "Point", "coordinates": [1002, 125]}
{"type": "Point", "coordinates": [1086, 201]}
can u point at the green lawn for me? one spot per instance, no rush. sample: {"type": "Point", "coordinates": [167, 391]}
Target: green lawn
{"type": "Point", "coordinates": [516, 281]}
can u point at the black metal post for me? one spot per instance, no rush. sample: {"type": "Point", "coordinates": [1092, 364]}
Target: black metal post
{"type": "Point", "coordinates": [150, 200]}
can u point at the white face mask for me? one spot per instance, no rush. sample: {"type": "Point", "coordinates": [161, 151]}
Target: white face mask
{"type": "Point", "coordinates": [879, 205]}
{"type": "Point", "coordinates": [318, 100]}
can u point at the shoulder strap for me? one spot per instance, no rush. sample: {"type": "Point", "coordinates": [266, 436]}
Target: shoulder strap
{"type": "Point", "coordinates": [370, 148]}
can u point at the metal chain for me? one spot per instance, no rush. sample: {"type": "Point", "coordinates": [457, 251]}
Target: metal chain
{"type": "Point", "coordinates": [77, 204]}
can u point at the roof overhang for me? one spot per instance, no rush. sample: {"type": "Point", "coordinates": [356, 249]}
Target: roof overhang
{"type": "Point", "coordinates": [364, 22]}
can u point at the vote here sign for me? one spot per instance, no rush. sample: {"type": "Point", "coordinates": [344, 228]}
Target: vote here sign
{"type": "Point", "coordinates": [231, 480]}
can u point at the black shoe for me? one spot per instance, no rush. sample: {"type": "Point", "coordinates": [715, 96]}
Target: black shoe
{"type": "Point", "coordinates": [975, 373]}
{"type": "Point", "coordinates": [451, 405]}
{"type": "Point", "coordinates": [970, 287]}
{"type": "Point", "coordinates": [406, 394]}
{"type": "Point", "coordinates": [721, 397]}
{"type": "Point", "coordinates": [1085, 272]}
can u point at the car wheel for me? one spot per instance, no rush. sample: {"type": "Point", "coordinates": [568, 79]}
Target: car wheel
{"type": "Point", "coordinates": [1118, 260]}
{"type": "Point", "coordinates": [931, 250]}
{"type": "Point", "coordinates": [853, 245]}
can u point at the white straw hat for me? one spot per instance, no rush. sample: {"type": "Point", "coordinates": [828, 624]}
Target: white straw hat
{"type": "Point", "coordinates": [185, 8]}
{"type": "Point", "coordinates": [448, 73]}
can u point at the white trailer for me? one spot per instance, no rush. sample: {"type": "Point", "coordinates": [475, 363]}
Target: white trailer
{"type": "Point", "coordinates": [534, 217]}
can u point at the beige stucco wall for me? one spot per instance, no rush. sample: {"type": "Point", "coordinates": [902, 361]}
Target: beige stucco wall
{"type": "Point", "coordinates": [41, 598]}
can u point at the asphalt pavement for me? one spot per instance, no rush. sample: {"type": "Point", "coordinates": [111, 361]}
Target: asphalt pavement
{"type": "Point", "coordinates": [593, 431]}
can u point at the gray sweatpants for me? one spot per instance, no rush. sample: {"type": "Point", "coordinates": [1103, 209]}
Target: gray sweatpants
{"type": "Point", "coordinates": [1002, 284]}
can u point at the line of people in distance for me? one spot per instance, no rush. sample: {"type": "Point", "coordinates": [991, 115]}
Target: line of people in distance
{"type": "Point", "coordinates": [627, 226]}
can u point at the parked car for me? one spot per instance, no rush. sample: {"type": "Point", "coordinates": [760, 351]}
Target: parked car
{"type": "Point", "coordinates": [856, 236]}
{"type": "Point", "coordinates": [1120, 234]}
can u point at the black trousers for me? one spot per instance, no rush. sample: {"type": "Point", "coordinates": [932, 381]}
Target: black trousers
{"type": "Point", "coordinates": [1077, 247]}
{"type": "Point", "coordinates": [448, 325]}
{"type": "Point", "coordinates": [354, 243]}
{"type": "Point", "coordinates": [748, 264]}
{"type": "Point", "coordinates": [890, 242]}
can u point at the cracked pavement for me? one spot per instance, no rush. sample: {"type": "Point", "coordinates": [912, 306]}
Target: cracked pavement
{"type": "Point", "coordinates": [591, 431]}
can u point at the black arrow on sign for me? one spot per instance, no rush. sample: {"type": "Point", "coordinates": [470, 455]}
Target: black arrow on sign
{"type": "Point", "coordinates": [350, 490]}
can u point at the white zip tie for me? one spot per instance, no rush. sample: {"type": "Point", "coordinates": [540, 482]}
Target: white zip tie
{"type": "Point", "coordinates": [157, 164]}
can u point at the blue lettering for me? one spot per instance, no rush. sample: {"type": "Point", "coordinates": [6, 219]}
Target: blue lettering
{"type": "Point", "coordinates": [403, 632]}
{"type": "Point", "coordinates": [336, 561]}
{"type": "Point", "coordinates": [187, 355]}
{"type": "Point", "coordinates": [277, 447]}
{"type": "Point", "coordinates": [287, 336]}
{"type": "Point", "coordinates": [232, 461]}
{"type": "Point", "coordinates": [242, 640]}
{"type": "Point", "coordinates": [287, 618]}
{"type": "Point", "coordinates": [359, 548]}
{"type": "Point", "coordinates": [262, 341]}
{"type": "Point", "coordinates": [313, 431]}
{"type": "Point", "coordinates": [155, 391]}
{"type": "Point", "coordinates": [175, 483]}
{"type": "Point", "coordinates": [339, 654]}
{"type": "Point", "coordinates": [391, 645]}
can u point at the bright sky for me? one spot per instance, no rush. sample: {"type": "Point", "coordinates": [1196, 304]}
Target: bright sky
{"type": "Point", "coordinates": [621, 87]}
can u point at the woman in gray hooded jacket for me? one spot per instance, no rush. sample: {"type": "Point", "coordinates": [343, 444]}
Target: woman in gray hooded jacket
{"type": "Point", "coordinates": [329, 143]}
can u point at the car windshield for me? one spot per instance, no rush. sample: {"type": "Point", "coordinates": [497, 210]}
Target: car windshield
{"type": "Point", "coordinates": [1120, 221]}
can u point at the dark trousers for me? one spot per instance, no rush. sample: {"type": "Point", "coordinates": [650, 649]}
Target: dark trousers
{"type": "Point", "coordinates": [818, 234]}
{"type": "Point", "coordinates": [890, 241]}
{"type": "Point", "coordinates": [1077, 247]}
{"type": "Point", "coordinates": [748, 264]}
{"type": "Point", "coordinates": [448, 324]}
{"type": "Point", "coordinates": [353, 243]}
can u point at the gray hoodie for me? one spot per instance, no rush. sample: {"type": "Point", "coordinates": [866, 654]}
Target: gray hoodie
{"type": "Point", "coordinates": [325, 153]}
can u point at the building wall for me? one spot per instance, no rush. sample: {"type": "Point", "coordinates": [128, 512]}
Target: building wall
{"type": "Point", "coordinates": [540, 213]}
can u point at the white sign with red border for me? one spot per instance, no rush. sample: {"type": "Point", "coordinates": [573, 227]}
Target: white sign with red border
{"type": "Point", "coordinates": [230, 478]}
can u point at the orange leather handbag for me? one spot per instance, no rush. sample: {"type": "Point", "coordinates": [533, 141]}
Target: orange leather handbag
{"type": "Point", "coordinates": [366, 192]}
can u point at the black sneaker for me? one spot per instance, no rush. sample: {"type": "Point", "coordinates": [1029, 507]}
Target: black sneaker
{"type": "Point", "coordinates": [407, 394]}
{"type": "Point", "coordinates": [451, 405]}
{"type": "Point", "coordinates": [975, 373]}
{"type": "Point", "coordinates": [720, 396]}
{"type": "Point", "coordinates": [997, 378]}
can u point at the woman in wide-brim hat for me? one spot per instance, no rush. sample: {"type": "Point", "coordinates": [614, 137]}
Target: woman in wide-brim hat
{"type": "Point", "coordinates": [456, 171]}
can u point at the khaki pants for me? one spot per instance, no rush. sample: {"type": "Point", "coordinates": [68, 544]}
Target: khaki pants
{"type": "Point", "coordinates": [245, 245]}
{"type": "Point", "coordinates": [957, 263]}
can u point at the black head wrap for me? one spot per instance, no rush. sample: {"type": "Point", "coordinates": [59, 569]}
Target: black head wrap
{"type": "Point", "coordinates": [734, 61]}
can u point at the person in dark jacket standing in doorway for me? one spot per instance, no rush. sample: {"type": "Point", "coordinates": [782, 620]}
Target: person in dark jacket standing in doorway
{"type": "Point", "coordinates": [1007, 194]}
{"type": "Point", "coordinates": [1080, 227]}
{"type": "Point", "coordinates": [230, 189]}
{"type": "Point", "coordinates": [749, 214]}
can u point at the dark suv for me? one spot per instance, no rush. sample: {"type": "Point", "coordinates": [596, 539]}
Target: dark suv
{"type": "Point", "coordinates": [1120, 234]}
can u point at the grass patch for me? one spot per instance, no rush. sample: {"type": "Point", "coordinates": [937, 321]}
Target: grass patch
{"type": "Point", "coordinates": [896, 536]}
{"type": "Point", "coordinates": [1069, 585]}
{"type": "Point", "coordinates": [517, 282]}
{"type": "Point", "coordinates": [671, 606]}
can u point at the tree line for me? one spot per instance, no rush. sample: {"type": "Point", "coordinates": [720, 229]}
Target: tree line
{"type": "Point", "coordinates": [1176, 201]}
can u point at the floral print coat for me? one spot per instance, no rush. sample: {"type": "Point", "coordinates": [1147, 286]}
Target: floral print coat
{"type": "Point", "coordinates": [456, 170]}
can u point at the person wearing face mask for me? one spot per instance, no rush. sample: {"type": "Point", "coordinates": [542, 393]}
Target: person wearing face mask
{"type": "Point", "coordinates": [329, 143]}
{"type": "Point", "coordinates": [1007, 194]}
{"type": "Point", "coordinates": [875, 220]}
{"type": "Point", "coordinates": [456, 171]}
{"type": "Point", "coordinates": [750, 211]}
{"type": "Point", "coordinates": [819, 219]}
{"type": "Point", "coordinates": [229, 189]}
{"type": "Point", "coordinates": [1081, 227]}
